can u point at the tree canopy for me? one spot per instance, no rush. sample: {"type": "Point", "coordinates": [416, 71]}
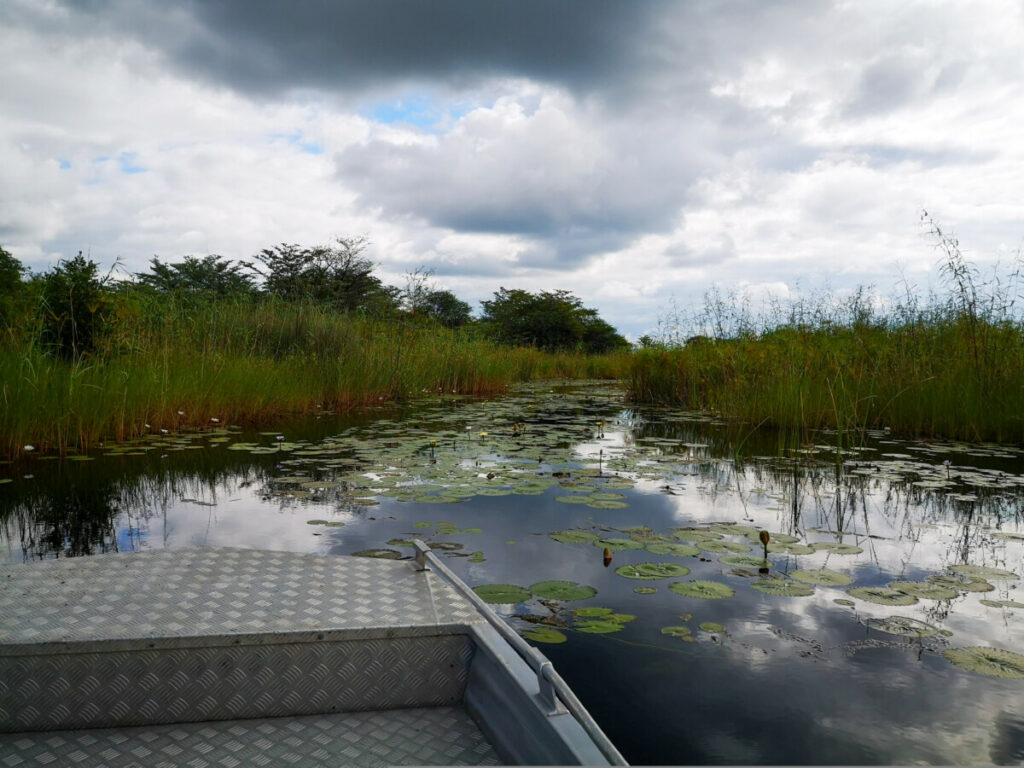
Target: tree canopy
{"type": "Point", "coordinates": [550, 320]}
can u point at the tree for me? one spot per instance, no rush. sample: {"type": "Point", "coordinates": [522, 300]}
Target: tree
{"type": "Point", "coordinates": [551, 320]}
{"type": "Point", "coordinates": [11, 286]}
{"type": "Point", "coordinates": [74, 306]}
{"type": "Point", "coordinates": [446, 308]}
{"type": "Point", "coordinates": [336, 275]}
{"type": "Point", "coordinates": [212, 275]}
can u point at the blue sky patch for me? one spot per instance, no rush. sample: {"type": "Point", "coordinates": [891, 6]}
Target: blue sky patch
{"type": "Point", "coordinates": [64, 164]}
{"type": "Point", "coordinates": [418, 111]}
{"type": "Point", "coordinates": [128, 165]}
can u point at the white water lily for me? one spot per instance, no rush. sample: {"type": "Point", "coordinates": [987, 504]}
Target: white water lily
{"type": "Point", "coordinates": [30, 448]}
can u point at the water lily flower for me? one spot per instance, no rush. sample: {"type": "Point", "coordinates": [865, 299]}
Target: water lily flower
{"type": "Point", "coordinates": [181, 413]}
{"type": "Point", "coordinates": [30, 448]}
{"type": "Point", "coordinates": [279, 438]}
{"type": "Point", "coordinates": [147, 426]}
{"type": "Point", "coordinates": [163, 431]}
{"type": "Point", "coordinates": [215, 420]}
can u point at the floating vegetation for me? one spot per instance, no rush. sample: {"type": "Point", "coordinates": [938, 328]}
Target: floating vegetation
{"type": "Point", "coordinates": [562, 590]}
{"type": "Point", "coordinates": [645, 590]}
{"type": "Point", "coordinates": [316, 522]}
{"type": "Point", "coordinates": [926, 590]}
{"type": "Point", "coordinates": [982, 572]}
{"type": "Point", "coordinates": [617, 545]}
{"type": "Point", "coordinates": [652, 570]}
{"type": "Point", "coordinates": [592, 612]}
{"type": "Point", "coordinates": [971, 585]}
{"type": "Point", "coordinates": [823, 577]}
{"type": "Point", "coordinates": [745, 561]}
{"type": "Point", "coordinates": [704, 590]}
{"type": "Point", "coordinates": [783, 587]}
{"type": "Point", "coordinates": [988, 661]}
{"type": "Point", "coordinates": [679, 550]}
{"type": "Point", "coordinates": [835, 549]}
{"type": "Point", "coordinates": [401, 543]}
{"type": "Point", "coordinates": [606, 504]}
{"type": "Point", "coordinates": [903, 625]}
{"type": "Point", "coordinates": [882, 595]}
{"type": "Point", "coordinates": [711, 626]}
{"type": "Point", "coordinates": [573, 537]}
{"type": "Point", "coordinates": [677, 631]}
{"type": "Point", "coordinates": [544, 635]}
{"type": "Point", "coordinates": [501, 594]}
{"type": "Point", "coordinates": [599, 627]}
{"type": "Point", "coordinates": [380, 554]}
{"type": "Point", "coordinates": [843, 601]}
{"type": "Point", "coordinates": [1002, 603]}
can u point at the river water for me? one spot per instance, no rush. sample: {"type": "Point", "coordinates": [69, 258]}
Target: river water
{"type": "Point", "coordinates": [687, 646]}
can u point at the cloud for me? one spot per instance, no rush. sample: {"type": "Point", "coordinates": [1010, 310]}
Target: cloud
{"type": "Point", "coordinates": [631, 153]}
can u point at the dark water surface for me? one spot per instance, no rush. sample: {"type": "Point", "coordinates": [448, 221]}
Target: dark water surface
{"type": "Point", "coordinates": [785, 679]}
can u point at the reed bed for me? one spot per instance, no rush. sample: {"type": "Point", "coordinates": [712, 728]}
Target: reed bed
{"type": "Point", "coordinates": [166, 364]}
{"type": "Point", "coordinates": [940, 374]}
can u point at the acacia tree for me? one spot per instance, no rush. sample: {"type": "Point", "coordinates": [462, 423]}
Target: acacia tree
{"type": "Point", "coordinates": [337, 275]}
{"type": "Point", "coordinates": [212, 275]}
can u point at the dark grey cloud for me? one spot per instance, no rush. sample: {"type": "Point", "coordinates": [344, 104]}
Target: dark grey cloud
{"type": "Point", "coordinates": [267, 46]}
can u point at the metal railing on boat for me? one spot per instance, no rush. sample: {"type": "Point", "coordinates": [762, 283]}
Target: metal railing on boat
{"type": "Point", "coordinates": [555, 693]}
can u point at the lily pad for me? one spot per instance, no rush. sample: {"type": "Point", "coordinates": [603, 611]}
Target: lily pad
{"type": "Point", "coordinates": [599, 627]}
{"type": "Point", "coordinates": [705, 590]}
{"type": "Point", "coordinates": [836, 549]}
{"type": "Point", "coordinates": [500, 594]}
{"type": "Point", "coordinates": [562, 590]}
{"type": "Point", "coordinates": [783, 587]}
{"type": "Point", "coordinates": [711, 626]}
{"type": "Point", "coordinates": [573, 537]}
{"type": "Point", "coordinates": [904, 626]}
{"type": "Point", "coordinates": [745, 561]}
{"type": "Point", "coordinates": [592, 612]}
{"type": "Point", "coordinates": [616, 545]}
{"type": "Point", "coordinates": [971, 585]}
{"type": "Point", "coordinates": [982, 572]}
{"type": "Point", "coordinates": [823, 577]}
{"type": "Point", "coordinates": [679, 550]}
{"type": "Point", "coordinates": [988, 661]}
{"type": "Point", "coordinates": [652, 571]}
{"type": "Point", "coordinates": [1002, 603]}
{"type": "Point", "coordinates": [605, 504]}
{"type": "Point", "coordinates": [678, 631]}
{"type": "Point", "coordinates": [882, 595]}
{"type": "Point", "coordinates": [645, 590]}
{"type": "Point", "coordinates": [927, 590]}
{"type": "Point", "coordinates": [545, 635]}
{"type": "Point", "coordinates": [380, 554]}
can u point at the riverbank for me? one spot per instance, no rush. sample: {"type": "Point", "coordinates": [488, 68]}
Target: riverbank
{"type": "Point", "coordinates": [945, 377]}
{"type": "Point", "coordinates": [241, 362]}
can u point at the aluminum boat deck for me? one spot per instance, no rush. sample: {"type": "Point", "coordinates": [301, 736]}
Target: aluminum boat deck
{"type": "Point", "coordinates": [231, 657]}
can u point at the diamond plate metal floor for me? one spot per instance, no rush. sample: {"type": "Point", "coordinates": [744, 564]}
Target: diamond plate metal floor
{"type": "Point", "coordinates": [217, 592]}
{"type": "Point", "coordinates": [428, 736]}
{"type": "Point", "coordinates": [126, 640]}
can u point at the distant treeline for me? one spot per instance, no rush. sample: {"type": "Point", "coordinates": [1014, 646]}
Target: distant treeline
{"type": "Point", "coordinates": [73, 308]}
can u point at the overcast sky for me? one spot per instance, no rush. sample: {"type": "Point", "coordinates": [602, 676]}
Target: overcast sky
{"type": "Point", "coordinates": [634, 153]}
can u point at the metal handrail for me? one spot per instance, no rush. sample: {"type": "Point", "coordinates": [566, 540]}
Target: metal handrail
{"type": "Point", "coordinates": [550, 682]}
